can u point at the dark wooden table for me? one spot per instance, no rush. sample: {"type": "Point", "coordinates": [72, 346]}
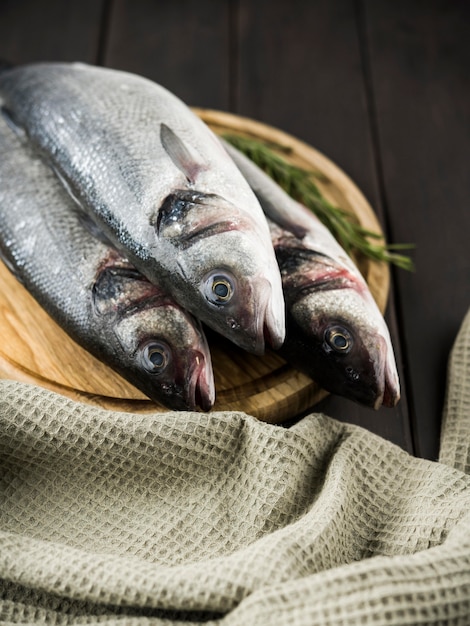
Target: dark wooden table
{"type": "Point", "coordinates": [379, 86]}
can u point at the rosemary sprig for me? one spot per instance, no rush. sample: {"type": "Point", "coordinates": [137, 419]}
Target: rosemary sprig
{"type": "Point", "coordinates": [300, 184]}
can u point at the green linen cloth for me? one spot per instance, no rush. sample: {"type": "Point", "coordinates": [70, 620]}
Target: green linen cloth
{"type": "Point", "coordinates": [180, 517]}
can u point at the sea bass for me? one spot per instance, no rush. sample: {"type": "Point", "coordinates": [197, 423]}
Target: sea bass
{"type": "Point", "coordinates": [335, 331]}
{"type": "Point", "coordinates": [160, 186]}
{"type": "Point", "coordinates": [92, 290]}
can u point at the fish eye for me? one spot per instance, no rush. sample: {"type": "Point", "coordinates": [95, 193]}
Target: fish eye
{"type": "Point", "coordinates": [339, 339]}
{"type": "Point", "coordinates": [155, 357]}
{"type": "Point", "coordinates": [219, 288]}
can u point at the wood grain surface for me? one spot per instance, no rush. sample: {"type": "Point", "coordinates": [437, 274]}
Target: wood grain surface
{"type": "Point", "coordinates": [34, 349]}
{"type": "Point", "coordinates": [380, 86]}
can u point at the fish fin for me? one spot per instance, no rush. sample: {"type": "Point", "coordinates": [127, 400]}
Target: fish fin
{"type": "Point", "coordinates": [65, 184]}
{"type": "Point", "coordinates": [9, 118]}
{"type": "Point", "coordinates": [118, 289]}
{"type": "Point", "coordinates": [271, 211]}
{"type": "Point", "coordinates": [82, 215]}
{"type": "Point", "coordinates": [275, 202]}
{"type": "Point", "coordinates": [92, 227]}
{"type": "Point", "coordinates": [179, 153]}
{"type": "Point", "coordinates": [186, 216]}
{"type": "Point", "coordinates": [85, 219]}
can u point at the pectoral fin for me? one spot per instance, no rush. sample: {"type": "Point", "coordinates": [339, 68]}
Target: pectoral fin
{"type": "Point", "coordinates": [179, 153]}
{"type": "Point", "coordinates": [121, 288]}
{"type": "Point", "coordinates": [9, 118]}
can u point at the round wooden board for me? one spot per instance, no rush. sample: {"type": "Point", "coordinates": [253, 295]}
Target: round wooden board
{"type": "Point", "coordinates": [34, 349]}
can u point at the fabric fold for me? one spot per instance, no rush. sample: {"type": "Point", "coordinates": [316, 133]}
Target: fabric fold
{"type": "Point", "coordinates": [219, 518]}
{"type": "Point", "coordinates": [455, 433]}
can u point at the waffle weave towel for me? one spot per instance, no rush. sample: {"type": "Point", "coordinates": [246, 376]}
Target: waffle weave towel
{"type": "Point", "coordinates": [180, 517]}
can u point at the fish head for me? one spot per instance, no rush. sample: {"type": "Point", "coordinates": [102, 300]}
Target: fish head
{"type": "Point", "coordinates": [224, 269]}
{"type": "Point", "coordinates": [165, 352]}
{"type": "Point", "coordinates": [340, 339]}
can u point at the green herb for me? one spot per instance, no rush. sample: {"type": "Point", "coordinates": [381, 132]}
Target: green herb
{"type": "Point", "coordinates": [300, 184]}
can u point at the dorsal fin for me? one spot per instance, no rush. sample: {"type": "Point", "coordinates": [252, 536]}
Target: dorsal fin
{"type": "Point", "coordinates": [179, 153]}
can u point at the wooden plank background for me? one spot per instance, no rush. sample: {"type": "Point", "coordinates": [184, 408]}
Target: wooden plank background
{"type": "Point", "coordinates": [379, 86]}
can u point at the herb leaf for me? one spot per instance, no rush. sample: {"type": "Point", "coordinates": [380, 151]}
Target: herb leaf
{"type": "Point", "coordinates": [300, 184]}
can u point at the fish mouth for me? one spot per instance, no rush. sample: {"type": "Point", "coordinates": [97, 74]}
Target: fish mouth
{"type": "Point", "coordinates": [388, 386]}
{"type": "Point", "coordinates": [200, 388]}
{"type": "Point", "coordinates": [269, 327]}
{"type": "Point", "coordinates": [381, 386]}
{"type": "Point", "coordinates": [275, 322]}
{"type": "Point", "coordinates": [391, 394]}
{"type": "Point", "coordinates": [387, 376]}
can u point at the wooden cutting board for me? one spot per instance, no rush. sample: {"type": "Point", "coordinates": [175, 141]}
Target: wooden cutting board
{"type": "Point", "coordinates": [34, 349]}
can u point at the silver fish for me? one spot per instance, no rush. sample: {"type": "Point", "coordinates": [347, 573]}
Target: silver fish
{"type": "Point", "coordinates": [335, 331]}
{"type": "Point", "coordinates": [162, 188]}
{"type": "Point", "coordinates": [92, 290]}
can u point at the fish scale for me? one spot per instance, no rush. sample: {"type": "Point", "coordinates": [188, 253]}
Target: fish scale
{"type": "Point", "coordinates": [335, 331]}
{"type": "Point", "coordinates": [92, 290]}
{"type": "Point", "coordinates": [122, 144]}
